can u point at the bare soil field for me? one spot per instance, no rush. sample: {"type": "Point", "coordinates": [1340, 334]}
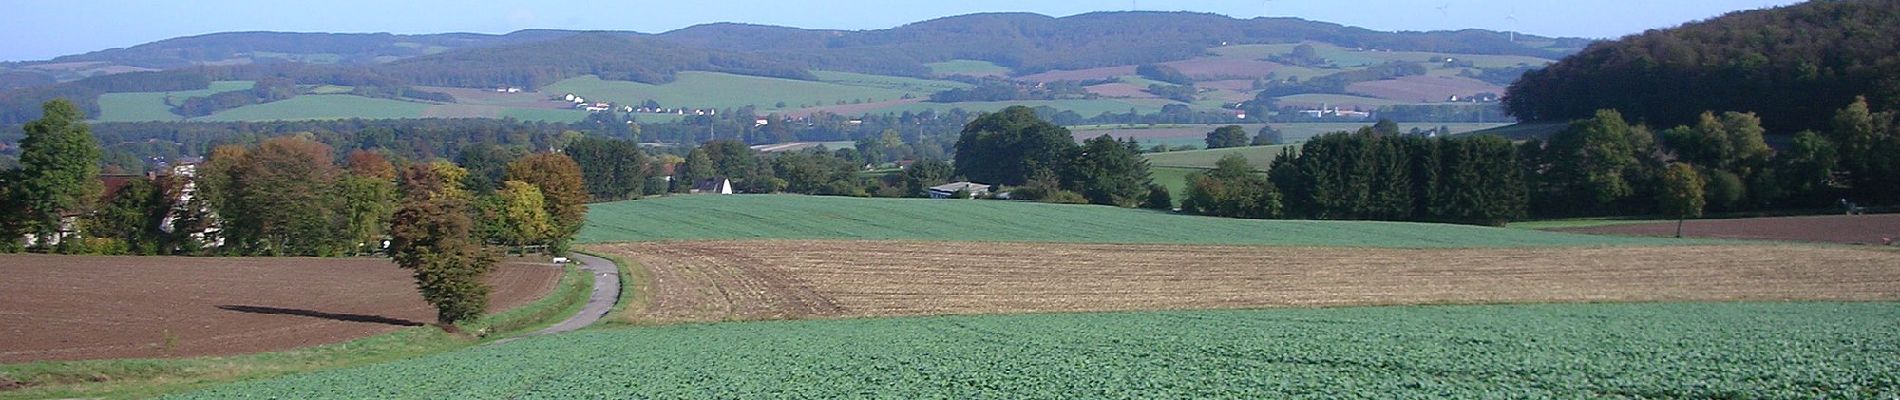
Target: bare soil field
{"type": "Point", "coordinates": [1851, 229]}
{"type": "Point", "coordinates": [88, 307]}
{"type": "Point", "coordinates": [1224, 67]}
{"type": "Point", "coordinates": [1424, 89]}
{"type": "Point", "coordinates": [743, 280]}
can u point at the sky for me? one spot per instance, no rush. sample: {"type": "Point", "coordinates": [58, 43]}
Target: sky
{"type": "Point", "coordinates": [42, 29]}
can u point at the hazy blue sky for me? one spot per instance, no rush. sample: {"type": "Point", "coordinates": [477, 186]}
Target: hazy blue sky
{"type": "Point", "coordinates": [41, 29]}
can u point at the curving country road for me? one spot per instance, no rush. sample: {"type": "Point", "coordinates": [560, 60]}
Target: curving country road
{"type": "Point", "coordinates": [606, 293]}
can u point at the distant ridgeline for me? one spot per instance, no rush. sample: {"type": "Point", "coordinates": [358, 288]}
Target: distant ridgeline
{"type": "Point", "coordinates": [1794, 66]}
{"type": "Point", "coordinates": [384, 65]}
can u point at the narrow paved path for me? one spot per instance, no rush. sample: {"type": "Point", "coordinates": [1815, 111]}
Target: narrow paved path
{"type": "Point", "coordinates": [606, 293]}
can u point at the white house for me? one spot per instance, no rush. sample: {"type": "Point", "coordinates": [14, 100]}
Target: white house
{"type": "Point", "coordinates": [949, 190]}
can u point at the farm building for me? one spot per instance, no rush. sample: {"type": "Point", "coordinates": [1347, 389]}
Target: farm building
{"type": "Point", "coordinates": [716, 185]}
{"type": "Point", "coordinates": [949, 190]}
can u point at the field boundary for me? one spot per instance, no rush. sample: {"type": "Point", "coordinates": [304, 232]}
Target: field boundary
{"type": "Point", "coordinates": [150, 377]}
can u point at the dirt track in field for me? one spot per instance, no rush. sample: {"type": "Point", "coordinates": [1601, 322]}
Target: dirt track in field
{"type": "Point", "coordinates": [84, 307]}
{"type": "Point", "coordinates": [745, 280]}
{"type": "Point", "coordinates": [1853, 229]}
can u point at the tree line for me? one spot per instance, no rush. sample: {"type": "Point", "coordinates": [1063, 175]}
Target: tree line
{"type": "Point", "coordinates": [284, 196]}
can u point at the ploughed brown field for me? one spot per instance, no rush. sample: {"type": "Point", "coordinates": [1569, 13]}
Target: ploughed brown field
{"type": "Point", "coordinates": [1853, 229]}
{"type": "Point", "coordinates": [743, 280]}
{"type": "Point", "coordinates": [89, 307]}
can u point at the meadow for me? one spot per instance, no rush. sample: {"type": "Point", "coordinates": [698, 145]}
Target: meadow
{"type": "Point", "coordinates": [1257, 156]}
{"type": "Point", "coordinates": [1658, 350]}
{"type": "Point", "coordinates": [325, 106]}
{"type": "Point", "coordinates": [151, 106]}
{"type": "Point", "coordinates": [967, 67]}
{"type": "Point", "coordinates": [822, 217]}
{"type": "Point", "coordinates": [721, 90]}
{"type": "Point", "coordinates": [1085, 107]}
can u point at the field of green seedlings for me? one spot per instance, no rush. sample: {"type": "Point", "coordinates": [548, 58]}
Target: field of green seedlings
{"type": "Point", "coordinates": [713, 89]}
{"type": "Point", "coordinates": [824, 217]}
{"type": "Point", "coordinates": [1658, 350]}
{"type": "Point", "coordinates": [150, 106]}
{"type": "Point", "coordinates": [325, 106]}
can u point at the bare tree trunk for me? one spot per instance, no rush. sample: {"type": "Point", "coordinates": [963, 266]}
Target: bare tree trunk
{"type": "Point", "coordinates": [1679, 227]}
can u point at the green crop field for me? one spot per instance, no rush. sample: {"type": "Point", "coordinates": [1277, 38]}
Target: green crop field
{"type": "Point", "coordinates": [967, 67]}
{"type": "Point", "coordinates": [1257, 156]}
{"type": "Point", "coordinates": [691, 217]}
{"type": "Point", "coordinates": [315, 107]}
{"type": "Point", "coordinates": [1657, 350]}
{"type": "Point", "coordinates": [151, 106]}
{"type": "Point", "coordinates": [720, 90]}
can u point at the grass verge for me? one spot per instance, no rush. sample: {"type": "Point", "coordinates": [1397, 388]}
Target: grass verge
{"type": "Point", "coordinates": [633, 287]}
{"type": "Point", "coordinates": [142, 378]}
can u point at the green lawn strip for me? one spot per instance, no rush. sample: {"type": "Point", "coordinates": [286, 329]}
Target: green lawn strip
{"type": "Point", "coordinates": [1602, 350]}
{"type": "Point", "coordinates": [143, 378]}
{"type": "Point", "coordinates": [823, 217]}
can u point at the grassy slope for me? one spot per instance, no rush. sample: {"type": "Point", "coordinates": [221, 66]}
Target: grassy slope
{"type": "Point", "coordinates": [1723, 350]}
{"type": "Point", "coordinates": [150, 106]}
{"type": "Point", "coordinates": [314, 107]}
{"type": "Point", "coordinates": [967, 67]}
{"type": "Point", "coordinates": [818, 217]}
{"type": "Point", "coordinates": [1257, 156]}
{"type": "Point", "coordinates": [713, 89]}
{"type": "Point", "coordinates": [139, 378]}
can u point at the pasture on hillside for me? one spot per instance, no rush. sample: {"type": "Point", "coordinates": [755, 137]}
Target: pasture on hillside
{"type": "Point", "coordinates": [151, 106]}
{"type": "Point", "coordinates": [967, 67]}
{"type": "Point", "coordinates": [1257, 156]}
{"type": "Point", "coordinates": [693, 217]}
{"type": "Point", "coordinates": [722, 90]}
{"type": "Point", "coordinates": [1658, 350]}
{"type": "Point", "coordinates": [323, 106]}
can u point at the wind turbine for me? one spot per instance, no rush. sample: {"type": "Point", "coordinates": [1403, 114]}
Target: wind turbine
{"type": "Point", "coordinates": [1513, 18]}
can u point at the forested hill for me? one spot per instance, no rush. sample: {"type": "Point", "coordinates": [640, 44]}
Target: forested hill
{"type": "Point", "coordinates": [1032, 43]}
{"type": "Point", "coordinates": [386, 65]}
{"type": "Point", "coordinates": [1792, 65]}
{"type": "Point", "coordinates": [322, 48]}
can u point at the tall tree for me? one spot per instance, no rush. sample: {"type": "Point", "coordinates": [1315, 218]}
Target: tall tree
{"type": "Point", "coordinates": [1227, 136]}
{"type": "Point", "coordinates": [1592, 162]}
{"type": "Point", "coordinates": [1108, 171]}
{"type": "Point", "coordinates": [922, 175]}
{"type": "Point", "coordinates": [283, 201]}
{"type": "Point", "coordinates": [612, 169]}
{"type": "Point", "coordinates": [1268, 135]}
{"type": "Point", "coordinates": [369, 198]}
{"type": "Point", "coordinates": [559, 180]}
{"type": "Point", "coordinates": [524, 214]}
{"type": "Point", "coordinates": [1007, 146]}
{"type": "Point", "coordinates": [430, 235]}
{"type": "Point", "coordinates": [1867, 142]}
{"type": "Point", "coordinates": [59, 169]}
{"type": "Point", "coordinates": [1682, 194]}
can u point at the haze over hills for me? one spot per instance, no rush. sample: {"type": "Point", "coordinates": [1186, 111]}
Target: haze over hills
{"type": "Point", "coordinates": [426, 68]}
